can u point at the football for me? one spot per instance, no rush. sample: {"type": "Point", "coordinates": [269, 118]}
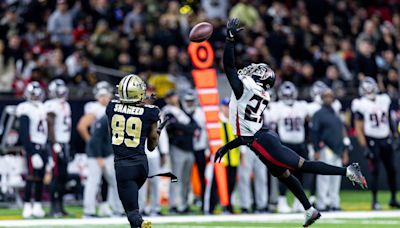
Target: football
{"type": "Point", "coordinates": [201, 32]}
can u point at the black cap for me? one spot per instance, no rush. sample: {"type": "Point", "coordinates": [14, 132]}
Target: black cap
{"type": "Point", "coordinates": [170, 93]}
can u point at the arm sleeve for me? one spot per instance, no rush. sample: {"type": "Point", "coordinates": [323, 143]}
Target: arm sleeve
{"type": "Point", "coordinates": [24, 134]}
{"type": "Point", "coordinates": [230, 69]}
{"type": "Point", "coordinates": [316, 125]}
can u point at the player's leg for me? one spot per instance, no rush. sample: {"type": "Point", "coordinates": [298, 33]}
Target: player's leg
{"type": "Point", "coordinates": [244, 180]}
{"type": "Point", "coordinates": [112, 199]}
{"type": "Point", "coordinates": [294, 185]}
{"type": "Point", "coordinates": [269, 148]}
{"type": "Point", "coordinates": [260, 185]}
{"type": "Point", "coordinates": [91, 187]}
{"type": "Point", "coordinates": [129, 180]}
{"type": "Point", "coordinates": [374, 169]}
{"type": "Point", "coordinates": [201, 166]}
{"type": "Point", "coordinates": [323, 185]}
{"type": "Point", "coordinates": [27, 211]}
{"type": "Point", "coordinates": [387, 156]}
{"type": "Point", "coordinates": [37, 209]}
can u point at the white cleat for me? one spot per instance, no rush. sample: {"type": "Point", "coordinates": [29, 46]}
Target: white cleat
{"type": "Point", "coordinates": [37, 210]}
{"type": "Point", "coordinates": [311, 215]}
{"type": "Point", "coordinates": [283, 206]}
{"type": "Point", "coordinates": [27, 211]}
{"type": "Point", "coordinates": [105, 210]}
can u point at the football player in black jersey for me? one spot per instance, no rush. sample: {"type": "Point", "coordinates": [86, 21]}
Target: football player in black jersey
{"type": "Point", "coordinates": [132, 123]}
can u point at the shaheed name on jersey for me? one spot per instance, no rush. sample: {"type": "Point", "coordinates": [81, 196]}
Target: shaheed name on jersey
{"type": "Point", "coordinates": [375, 114]}
{"type": "Point", "coordinates": [130, 126]}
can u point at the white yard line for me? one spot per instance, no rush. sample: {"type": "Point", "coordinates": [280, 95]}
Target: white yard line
{"type": "Point", "coordinates": [211, 218]}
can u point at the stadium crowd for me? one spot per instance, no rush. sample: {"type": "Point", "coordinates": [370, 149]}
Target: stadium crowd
{"type": "Point", "coordinates": [337, 42]}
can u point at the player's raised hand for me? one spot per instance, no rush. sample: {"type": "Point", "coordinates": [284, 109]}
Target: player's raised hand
{"type": "Point", "coordinates": [233, 28]}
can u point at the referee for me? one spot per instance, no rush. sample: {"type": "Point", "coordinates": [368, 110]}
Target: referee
{"type": "Point", "coordinates": [330, 144]}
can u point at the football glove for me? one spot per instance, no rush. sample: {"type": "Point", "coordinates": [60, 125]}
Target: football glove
{"type": "Point", "coordinates": [163, 124]}
{"type": "Point", "coordinates": [37, 161]}
{"type": "Point", "coordinates": [220, 153]}
{"type": "Point", "coordinates": [233, 28]}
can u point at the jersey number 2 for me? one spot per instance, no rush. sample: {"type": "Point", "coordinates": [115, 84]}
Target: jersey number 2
{"type": "Point", "coordinates": [250, 110]}
{"type": "Point", "coordinates": [131, 126]}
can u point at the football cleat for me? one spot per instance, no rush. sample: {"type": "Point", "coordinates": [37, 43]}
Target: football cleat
{"type": "Point", "coordinates": [394, 204]}
{"type": "Point", "coordinates": [146, 224]}
{"type": "Point", "coordinates": [311, 215]}
{"type": "Point", "coordinates": [37, 210]}
{"type": "Point", "coordinates": [354, 174]}
{"type": "Point", "coordinates": [27, 211]}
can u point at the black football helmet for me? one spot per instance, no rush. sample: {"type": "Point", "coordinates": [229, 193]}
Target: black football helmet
{"type": "Point", "coordinates": [261, 73]}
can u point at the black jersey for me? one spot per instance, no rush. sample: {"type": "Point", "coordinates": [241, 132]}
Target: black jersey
{"type": "Point", "coordinates": [129, 127]}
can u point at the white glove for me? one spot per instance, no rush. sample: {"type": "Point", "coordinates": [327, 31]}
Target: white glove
{"type": "Point", "coordinates": [37, 162]}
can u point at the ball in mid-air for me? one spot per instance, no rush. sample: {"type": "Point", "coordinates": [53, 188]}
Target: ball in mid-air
{"type": "Point", "coordinates": [201, 32]}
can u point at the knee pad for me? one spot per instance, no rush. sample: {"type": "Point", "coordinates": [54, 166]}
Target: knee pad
{"type": "Point", "coordinates": [135, 219]}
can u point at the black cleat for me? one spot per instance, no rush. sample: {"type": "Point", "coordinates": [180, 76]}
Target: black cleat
{"type": "Point", "coordinates": [394, 204]}
{"type": "Point", "coordinates": [312, 215]}
{"type": "Point", "coordinates": [355, 176]}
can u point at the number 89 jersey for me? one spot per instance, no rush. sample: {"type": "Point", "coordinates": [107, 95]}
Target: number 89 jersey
{"type": "Point", "coordinates": [375, 114]}
{"type": "Point", "coordinates": [246, 114]}
{"type": "Point", "coordinates": [129, 126]}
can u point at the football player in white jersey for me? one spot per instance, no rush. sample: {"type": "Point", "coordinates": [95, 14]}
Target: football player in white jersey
{"type": "Point", "coordinates": [290, 116]}
{"type": "Point", "coordinates": [94, 111]}
{"type": "Point", "coordinates": [248, 101]}
{"type": "Point", "coordinates": [33, 135]}
{"type": "Point", "coordinates": [373, 129]}
{"type": "Point", "coordinates": [59, 125]}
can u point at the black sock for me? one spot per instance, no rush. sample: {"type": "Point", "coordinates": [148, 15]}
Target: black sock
{"type": "Point", "coordinates": [295, 187]}
{"type": "Point", "coordinates": [28, 191]}
{"type": "Point", "coordinates": [38, 191]}
{"type": "Point", "coordinates": [322, 168]}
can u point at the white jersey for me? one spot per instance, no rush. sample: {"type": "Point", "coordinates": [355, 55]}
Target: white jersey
{"type": "Point", "coordinates": [290, 121]}
{"type": "Point", "coordinates": [95, 108]}
{"type": "Point", "coordinates": [36, 113]}
{"type": "Point", "coordinates": [375, 114]}
{"type": "Point", "coordinates": [246, 114]}
{"type": "Point", "coordinates": [314, 106]}
{"type": "Point", "coordinates": [62, 122]}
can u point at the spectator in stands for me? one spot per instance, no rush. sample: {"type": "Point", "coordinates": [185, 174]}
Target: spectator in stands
{"type": "Point", "coordinates": [7, 70]}
{"type": "Point", "coordinates": [365, 64]}
{"type": "Point", "coordinates": [103, 50]}
{"type": "Point", "coordinates": [246, 12]}
{"type": "Point", "coordinates": [60, 24]}
{"type": "Point", "coordinates": [136, 16]}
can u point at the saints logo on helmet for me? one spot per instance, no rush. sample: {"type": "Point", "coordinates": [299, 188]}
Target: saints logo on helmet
{"type": "Point", "coordinates": [131, 89]}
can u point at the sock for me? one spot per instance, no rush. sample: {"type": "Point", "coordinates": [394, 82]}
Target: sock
{"type": "Point", "coordinates": [322, 168]}
{"type": "Point", "coordinates": [295, 187]}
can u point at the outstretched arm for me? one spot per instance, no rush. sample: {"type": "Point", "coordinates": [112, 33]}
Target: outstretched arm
{"type": "Point", "coordinates": [229, 58]}
{"type": "Point", "coordinates": [239, 141]}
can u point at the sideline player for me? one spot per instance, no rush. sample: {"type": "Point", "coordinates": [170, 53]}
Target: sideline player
{"type": "Point", "coordinates": [33, 135]}
{"type": "Point", "coordinates": [373, 129]}
{"type": "Point", "coordinates": [59, 126]}
{"type": "Point", "coordinates": [248, 101]}
{"type": "Point", "coordinates": [290, 116]}
{"type": "Point", "coordinates": [131, 123]}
